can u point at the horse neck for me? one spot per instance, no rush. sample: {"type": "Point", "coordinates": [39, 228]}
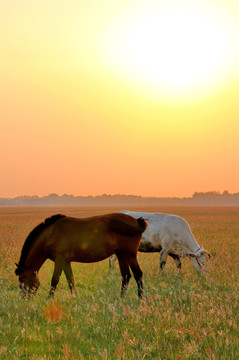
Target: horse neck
{"type": "Point", "coordinates": [36, 256]}
{"type": "Point", "coordinates": [193, 245]}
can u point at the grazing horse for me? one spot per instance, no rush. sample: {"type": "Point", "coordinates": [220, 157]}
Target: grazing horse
{"type": "Point", "coordinates": [64, 239]}
{"type": "Point", "coordinates": [170, 235]}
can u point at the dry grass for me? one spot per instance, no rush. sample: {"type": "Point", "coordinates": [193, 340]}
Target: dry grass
{"type": "Point", "coordinates": [181, 317]}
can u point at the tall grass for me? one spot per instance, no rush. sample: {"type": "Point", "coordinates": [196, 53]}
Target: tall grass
{"type": "Point", "coordinates": [180, 317]}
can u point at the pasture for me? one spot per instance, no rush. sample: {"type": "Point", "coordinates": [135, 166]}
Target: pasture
{"type": "Point", "coordinates": [180, 317]}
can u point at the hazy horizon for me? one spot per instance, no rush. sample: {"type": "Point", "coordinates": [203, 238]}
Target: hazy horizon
{"type": "Point", "coordinates": [209, 192]}
{"type": "Point", "coordinates": [131, 97]}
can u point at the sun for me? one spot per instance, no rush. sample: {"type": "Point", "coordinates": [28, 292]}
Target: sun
{"type": "Point", "coordinates": [175, 49]}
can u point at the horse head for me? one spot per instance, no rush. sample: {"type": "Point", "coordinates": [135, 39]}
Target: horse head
{"type": "Point", "coordinates": [200, 259]}
{"type": "Point", "coordinates": [28, 280]}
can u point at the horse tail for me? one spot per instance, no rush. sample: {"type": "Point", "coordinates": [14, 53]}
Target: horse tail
{"type": "Point", "coordinates": [142, 223]}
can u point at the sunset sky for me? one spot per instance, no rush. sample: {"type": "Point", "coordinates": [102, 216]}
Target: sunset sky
{"type": "Point", "coordinates": [119, 97]}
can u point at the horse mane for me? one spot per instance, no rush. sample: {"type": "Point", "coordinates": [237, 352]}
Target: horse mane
{"type": "Point", "coordinates": [31, 239]}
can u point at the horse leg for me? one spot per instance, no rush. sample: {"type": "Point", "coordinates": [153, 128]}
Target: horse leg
{"type": "Point", "coordinates": [133, 263]}
{"type": "Point", "coordinates": [70, 278]}
{"type": "Point", "coordinates": [124, 269]}
{"type": "Point", "coordinates": [163, 258]}
{"type": "Point", "coordinates": [56, 275]}
{"type": "Point", "coordinates": [177, 261]}
{"type": "Point", "coordinates": [111, 261]}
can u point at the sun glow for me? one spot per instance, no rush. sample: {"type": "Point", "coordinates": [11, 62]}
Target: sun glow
{"type": "Point", "coordinates": [175, 49]}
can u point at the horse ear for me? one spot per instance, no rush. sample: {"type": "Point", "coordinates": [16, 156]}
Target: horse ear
{"type": "Point", "coordinates": [17, 271]}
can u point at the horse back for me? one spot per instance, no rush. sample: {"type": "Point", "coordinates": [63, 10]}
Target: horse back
{"type": "Point", "coordinates": [124, 224]}
{"type": "Point", "coordinates": [95, 238]}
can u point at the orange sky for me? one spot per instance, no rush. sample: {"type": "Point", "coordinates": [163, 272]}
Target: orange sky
{"type": "Point", "coordinates": [129, 97]}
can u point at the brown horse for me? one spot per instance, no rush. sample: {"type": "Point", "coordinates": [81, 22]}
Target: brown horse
{"type": "Point", "coordinates": [65, 239]}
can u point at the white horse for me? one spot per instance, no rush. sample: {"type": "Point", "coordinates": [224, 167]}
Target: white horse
{"type": "Point", "coordinates": [170, 235]}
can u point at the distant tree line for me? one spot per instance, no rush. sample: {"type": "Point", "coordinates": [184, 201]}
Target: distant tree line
{"type": "Point", "coordinates": [198, 198]}
{"type": "Point", "coordinates": [215, 198]}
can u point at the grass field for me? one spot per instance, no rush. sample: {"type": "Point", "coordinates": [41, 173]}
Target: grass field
{"type": "Point", "coordinates": [180, 317]}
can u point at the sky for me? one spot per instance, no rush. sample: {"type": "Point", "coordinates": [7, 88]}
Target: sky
{"type": "Point", "coordinates": [119, 97]}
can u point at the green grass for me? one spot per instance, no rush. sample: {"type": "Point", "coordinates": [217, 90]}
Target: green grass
{"type": "Point", "coordinates": [180, 317]}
